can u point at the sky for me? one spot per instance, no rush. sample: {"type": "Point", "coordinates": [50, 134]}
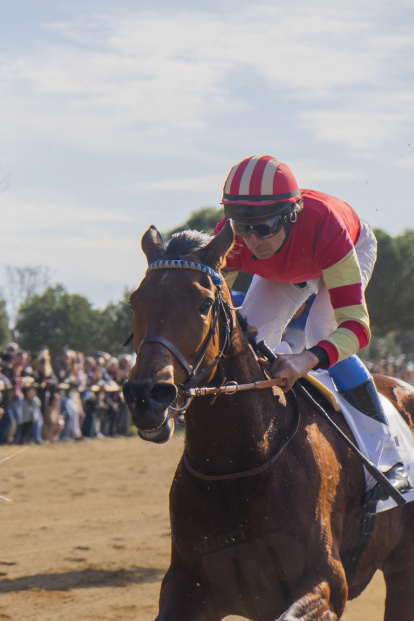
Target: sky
{"type": "Point", "coordinates": [116, 116]}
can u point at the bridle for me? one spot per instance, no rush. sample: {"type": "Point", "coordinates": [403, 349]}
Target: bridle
{"type": "Point", "coordinates": [220, 309]}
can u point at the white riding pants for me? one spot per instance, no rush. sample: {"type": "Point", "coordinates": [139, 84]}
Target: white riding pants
{"type": "Point", "coordinates": [270, 305]}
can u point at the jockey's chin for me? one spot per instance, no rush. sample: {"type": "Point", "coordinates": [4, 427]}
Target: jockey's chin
{"type": "Point", "coordinates": [264, 248]}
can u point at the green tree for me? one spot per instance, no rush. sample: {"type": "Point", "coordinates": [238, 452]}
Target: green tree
{"type": "Point", "coordinates": [391, 289]}
{"type": "Point", "coordinates": [56, 318]}
{"type": "Point", "coordinates": [115, 326]}
{"type": "Point", "coordinates": [5, 334]}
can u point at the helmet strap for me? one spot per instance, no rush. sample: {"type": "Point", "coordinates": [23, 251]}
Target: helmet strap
{"type": "Point", "coordinates": [288, 223]}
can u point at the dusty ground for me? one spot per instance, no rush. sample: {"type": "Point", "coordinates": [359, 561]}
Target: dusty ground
{"type": "Point", "coordinates": [87, 534]}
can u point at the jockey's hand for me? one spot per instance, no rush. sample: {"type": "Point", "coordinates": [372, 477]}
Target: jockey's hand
{"type": "Point", "coordinates": [291, 367]}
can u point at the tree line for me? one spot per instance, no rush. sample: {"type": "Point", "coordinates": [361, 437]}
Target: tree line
{"type": "Point", "coordinates": [55, 318]}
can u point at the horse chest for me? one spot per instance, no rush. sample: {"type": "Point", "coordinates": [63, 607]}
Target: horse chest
{"type": "Point", "coordinates": [245, 556]}
{"type": "Point", "coordinates": [224, 520]}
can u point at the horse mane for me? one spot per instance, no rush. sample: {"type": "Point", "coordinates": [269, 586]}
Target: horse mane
{"type": "Point", "coordinates": [184, 243]}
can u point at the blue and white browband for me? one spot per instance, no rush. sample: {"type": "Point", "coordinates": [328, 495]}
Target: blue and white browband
{"type": "Point", "coordinates": [188, 265]}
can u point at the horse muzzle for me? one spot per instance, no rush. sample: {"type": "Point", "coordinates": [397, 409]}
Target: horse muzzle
{"type": "Point", "coordinates": [160, 435]}
{"type": "Point", "coordinates": [148, 401]}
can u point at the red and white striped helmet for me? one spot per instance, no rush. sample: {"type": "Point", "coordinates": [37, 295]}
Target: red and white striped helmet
{"type": "Point", "coordinates": [259, 187]}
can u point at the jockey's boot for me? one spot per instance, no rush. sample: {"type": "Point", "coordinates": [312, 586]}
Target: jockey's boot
{"type": "Point", "coordinates": [364, 397]}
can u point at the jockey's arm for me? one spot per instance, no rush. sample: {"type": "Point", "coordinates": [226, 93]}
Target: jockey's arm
{"type": "Point", "coordinates": [343, 281]}
{"type": "Point", "coordinates": [346, 290]}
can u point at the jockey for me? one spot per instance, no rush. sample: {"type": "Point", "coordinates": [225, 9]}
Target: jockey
{"type": "Point", "coordinates": [298, 243]}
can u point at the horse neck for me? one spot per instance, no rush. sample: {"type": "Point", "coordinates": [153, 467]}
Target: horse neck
{"type": "Point", "coordinates": [236, 432]}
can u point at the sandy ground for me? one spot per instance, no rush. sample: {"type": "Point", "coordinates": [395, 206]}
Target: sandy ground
{"type": "Point", "coordinates": [87, 536]}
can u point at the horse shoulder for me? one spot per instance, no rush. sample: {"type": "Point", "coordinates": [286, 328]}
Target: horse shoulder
{"type": "Point", "coordinates": [337, 471]}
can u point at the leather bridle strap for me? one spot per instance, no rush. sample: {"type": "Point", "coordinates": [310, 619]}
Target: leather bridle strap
{"type": "Point", "coordinates": [193, 381]}
{"type": "Point", "coordinates": [193, 376]}
{"type": "Point", "coordinates": [172, 348]}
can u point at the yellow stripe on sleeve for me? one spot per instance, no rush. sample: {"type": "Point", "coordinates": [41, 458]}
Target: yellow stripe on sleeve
{"type": "Point", "coordinates": [345, 342]}
{"type": "Point", "coordinates": [353, 313]}
{"type": "Point", "coordinates": [344, 272]}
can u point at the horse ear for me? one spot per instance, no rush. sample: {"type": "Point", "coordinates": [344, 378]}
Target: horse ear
{"type": "Point", "coordinates": [213, 254]}
{"type": "Point", "coordinates": [152, 244]}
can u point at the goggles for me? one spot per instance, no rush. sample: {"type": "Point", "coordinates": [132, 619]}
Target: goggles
{"type": "Point", "coordinates": [268, 228]}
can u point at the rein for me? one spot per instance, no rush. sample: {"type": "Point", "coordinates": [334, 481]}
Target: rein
{"type": "Point", "coordinates": [230, 388]}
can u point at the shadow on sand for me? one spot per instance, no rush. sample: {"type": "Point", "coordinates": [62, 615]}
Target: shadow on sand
{"type": "Point", "coordinates": [83, 579]}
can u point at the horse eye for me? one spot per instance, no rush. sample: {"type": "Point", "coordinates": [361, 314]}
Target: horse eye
{"type": "Point", "coordinates": [205, 307]}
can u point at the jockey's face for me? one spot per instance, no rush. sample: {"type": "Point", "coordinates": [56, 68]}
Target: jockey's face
{"type": "Point", "coordinates": [264, 247]}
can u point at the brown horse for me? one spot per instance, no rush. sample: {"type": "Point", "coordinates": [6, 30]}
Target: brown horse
{"type": "Point", "coordinates": [265, 508]}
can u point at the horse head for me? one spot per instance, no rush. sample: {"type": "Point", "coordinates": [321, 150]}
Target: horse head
{"type": "Point", "coordinates": [179, 311]}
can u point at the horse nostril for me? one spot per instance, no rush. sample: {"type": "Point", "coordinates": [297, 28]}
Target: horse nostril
{"type": "Point", "coordinates": [164, 392]}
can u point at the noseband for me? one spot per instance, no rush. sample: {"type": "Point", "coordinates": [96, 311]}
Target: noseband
{"type": "Point", "coordinates": [219, 308]}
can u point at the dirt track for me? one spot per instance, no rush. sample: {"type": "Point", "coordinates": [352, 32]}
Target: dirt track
{"type": "Point", "coordinates": [87, 534]}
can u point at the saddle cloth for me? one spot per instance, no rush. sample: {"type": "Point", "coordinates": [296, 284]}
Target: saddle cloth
{"type": "Point", "coordinates": [384, 446]}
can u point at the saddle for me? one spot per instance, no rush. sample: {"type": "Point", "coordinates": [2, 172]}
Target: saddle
{"type": "Point", "coordinates": [376, 441]}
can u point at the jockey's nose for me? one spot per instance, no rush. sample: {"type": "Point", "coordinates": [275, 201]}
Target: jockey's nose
{"type": "Point", "coordinates": [254, 240]}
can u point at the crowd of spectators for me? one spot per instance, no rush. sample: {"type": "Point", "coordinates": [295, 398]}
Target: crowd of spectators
{"type": "Point", "coordinates": [75, 397]}
{"type": "Point", "coordinates": [67, 399]}
{"type": "Point", "coordinates": [394, 368]}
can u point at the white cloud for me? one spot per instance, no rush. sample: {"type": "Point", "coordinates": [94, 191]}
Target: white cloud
{"type": "Point", "coordinates": [362, 125]}
{"type": "Point", "coordinates": [311, 173]}
{"type": "Point", "coordinates": [407, 162]}
{"type": "Point", "coordinates": [145, 81]}
{"type": "Point", "coordinates": [178, 184]}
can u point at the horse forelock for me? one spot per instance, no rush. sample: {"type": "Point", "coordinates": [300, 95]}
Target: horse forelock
{"type": "Point", "coordinates": [182, 245]}
{"type": "Point", "coordinates": [185, 243]}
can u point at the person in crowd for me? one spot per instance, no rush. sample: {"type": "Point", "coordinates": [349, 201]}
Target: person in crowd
{"type": "Point", "coordinates": [112, 368]}
{"type": "Point", "coordinates": [62, 365]}
{"type": "Point", "coordinates": [89, 427]}
{"type": "Point", "coordinates": [78, 370]}
{"type": "Point", "coordinates": [6, 412]}
{"type": "Point", "coordinates": [20, 363]}
{"type": "Point", "coordinates": [118, 412]}
{"type": "Point", "coordinates": [89, 365]}
{"type": "Point", "coordinates": [31, 415]}
{"type": "Point", "coordinates": [102, 412]}
{"type": "Point", "coordinates": [16, 367]}
{"type": "Point", "coordinates": [100, 372]}
{"type": "Point", "coordinates": [72, 410]}
{"type": "Point", "coordinates": [43, 374]}
{"type": "Point", "coordinates": [125, 365]}
{"type": "Point", "coordinates": [77, 376]}
{"type": "Point", "coordinates": [53, 419]}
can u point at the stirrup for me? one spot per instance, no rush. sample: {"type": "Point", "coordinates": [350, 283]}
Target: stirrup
{"type": "Point", "coordinates": [398, 477]}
